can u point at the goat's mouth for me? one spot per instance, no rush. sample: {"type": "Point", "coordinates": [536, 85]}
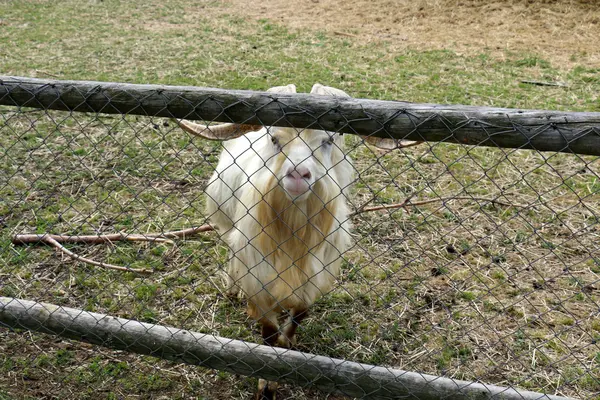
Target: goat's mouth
{"type": "Point", "coordinates": [294, 187]}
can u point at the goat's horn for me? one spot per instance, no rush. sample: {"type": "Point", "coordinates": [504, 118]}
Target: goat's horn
{"type": "Point", "coordinates": [217, 132]}
{"type": "Point", "coordinates": [389, 144]}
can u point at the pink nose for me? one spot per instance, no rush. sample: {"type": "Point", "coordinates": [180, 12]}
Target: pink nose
{"type": "Point", "coordinates": [300, 172]}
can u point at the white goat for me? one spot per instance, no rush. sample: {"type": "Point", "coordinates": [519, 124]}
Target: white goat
{"type": "Point", "coordinates": [278, 197]}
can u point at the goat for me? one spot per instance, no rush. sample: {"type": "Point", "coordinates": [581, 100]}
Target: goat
{"type": "Point", "coordinates": [278, 198]}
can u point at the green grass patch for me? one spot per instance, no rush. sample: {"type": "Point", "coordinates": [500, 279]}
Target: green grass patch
{"type": "Point", "coordinates": [426, 288]}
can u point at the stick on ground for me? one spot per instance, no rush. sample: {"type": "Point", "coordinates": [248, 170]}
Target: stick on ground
{"type": "Point", "coordinates": [112, 237]}
{"type": "Point", "coordinates": [74, 256]}
{"type": "Point", "coordinates": [407, 203]}
{"type": "Point", "coordinates": [56, 240]}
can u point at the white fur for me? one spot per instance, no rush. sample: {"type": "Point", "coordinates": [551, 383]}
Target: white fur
{"type": "Point", "coordinates": [233, 194]}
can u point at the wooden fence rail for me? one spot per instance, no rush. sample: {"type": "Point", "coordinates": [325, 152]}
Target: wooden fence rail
{"type": "Point", "coordinates": [557, 131]}
{"type": "Point", "coordinates": [249, 359]}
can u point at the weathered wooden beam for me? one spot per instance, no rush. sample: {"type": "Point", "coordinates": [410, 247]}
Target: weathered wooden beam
{"type": "Point", "coordinates": [329, 374]}
{"type": "Point", "coordinates": [576, 132]}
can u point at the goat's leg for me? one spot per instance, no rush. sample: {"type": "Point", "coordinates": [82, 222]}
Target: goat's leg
{"type": "Point", "coordinates": [267, 390]}
{"type": "Point", "coordinates": [270, 334]}
{"type": "Point", "coordinates": [231, 278]}
{"type": "Point", "coordinates": [232, 290]}
{"type": "Point", "coordinates": [288, 336]}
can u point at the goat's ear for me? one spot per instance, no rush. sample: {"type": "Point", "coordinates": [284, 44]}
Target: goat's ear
{"type": "Point", "coordinates": [328, 91]}
{"type": "Point", "coordinates": [291, 88]}
{"type": "Point", "coordinates": [381, 143]}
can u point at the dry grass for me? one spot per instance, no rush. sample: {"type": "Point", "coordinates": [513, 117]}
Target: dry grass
{"type": "Point", "coordinates": [563, 32]}
{"type": "Point", "coordinates": [492, 291]}
{"type": "Point", "coordinates": [461, 288]}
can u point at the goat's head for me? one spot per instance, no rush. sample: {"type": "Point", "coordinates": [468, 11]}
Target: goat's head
{"type": "Point", "coordinates": [302, 158]}
{"type": "Point", "coordinates": [305, 157]}
{"type": "Point", "coordinates": [299, 161]}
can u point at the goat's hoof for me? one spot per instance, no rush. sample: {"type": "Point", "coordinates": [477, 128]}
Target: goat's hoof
{"type": "Point", "coordinates": [266, 394]}
{"type": "Point", "coordinates": [230, 289]}
{"type": "Point", "coordinates": [266, 390]}
{"type": "Point", "coordinates": [286, 343]}
{"type": "Point", "coordinates": [232, 293]}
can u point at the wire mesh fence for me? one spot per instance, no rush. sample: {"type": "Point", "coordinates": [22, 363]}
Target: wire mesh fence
{"type": "Point", "coordinates": [471, 256]}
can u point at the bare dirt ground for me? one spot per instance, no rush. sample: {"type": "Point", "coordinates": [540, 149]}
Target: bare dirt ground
{"type": "Point", "coordinates": [561, 32]}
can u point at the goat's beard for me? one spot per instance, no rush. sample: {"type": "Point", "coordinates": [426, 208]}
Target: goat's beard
{"type": "Point", "coordinates": [290, 229]}
{"type": "Point", "coordinates": [294, 238]}
{"type": "Point", "coordinates": [296, 198]}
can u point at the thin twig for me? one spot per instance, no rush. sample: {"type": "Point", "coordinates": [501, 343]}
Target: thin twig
{"type": "Point", "coordinates": [540, 83]}
{"type": "Point", "coordinates": [184, 232]}
{"type": "Point", "coordinates": [407, 203]}
{"type": "Point", "coordinates": [47, 74]}
{"type": "Point", "coordinates": [74, 256]}
{"type": "Point", "coordinates": [55, 240]}
{"type": "Point", "coordinates": [93, 239]}
{"type": "Point", "coordinates": [339, 33]}
{"type": "Point", "coordinates": [111, 237]}
{"type": "Point", "coordinates": [364, 207]}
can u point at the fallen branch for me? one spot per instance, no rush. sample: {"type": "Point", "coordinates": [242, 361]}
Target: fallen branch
{"type": "Point", "coordinates": [92, 239]}
{"type": "Point", "coordinates": [407, 203]}
{"type": "Point", "coordinates": [364, 207]}
{"type": "Point", "coordinates": [74, 256]}
{"type": "Point", "coordinates": [540, 83]}
{"type": "Point", "coordinates": [184, 232]}
{"type": "Point", "coordinates": [55, 240]}
{"type": "Point", "coordinates": [340, 33]}
{"type": "Point", "coordinates": [112, 237]}
{"type": "Point", "coordinates": [39, 71]}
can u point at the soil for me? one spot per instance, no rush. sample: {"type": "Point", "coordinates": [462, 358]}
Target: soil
{"type": "Point", "coordinates": [562, 32]}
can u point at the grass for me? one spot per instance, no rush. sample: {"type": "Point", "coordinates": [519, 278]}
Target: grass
{"type": "Point", "coordinates": [462, 288]}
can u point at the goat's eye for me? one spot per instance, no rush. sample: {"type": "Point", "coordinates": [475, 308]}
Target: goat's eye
{"type": "Point", "coordinates": [275, 141]}
{"type": "Point", "coordinates": [327, 142]}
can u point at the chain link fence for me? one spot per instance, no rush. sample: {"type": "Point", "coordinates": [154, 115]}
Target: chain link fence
{"type": "Point", "coordinates": [471, 257]}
